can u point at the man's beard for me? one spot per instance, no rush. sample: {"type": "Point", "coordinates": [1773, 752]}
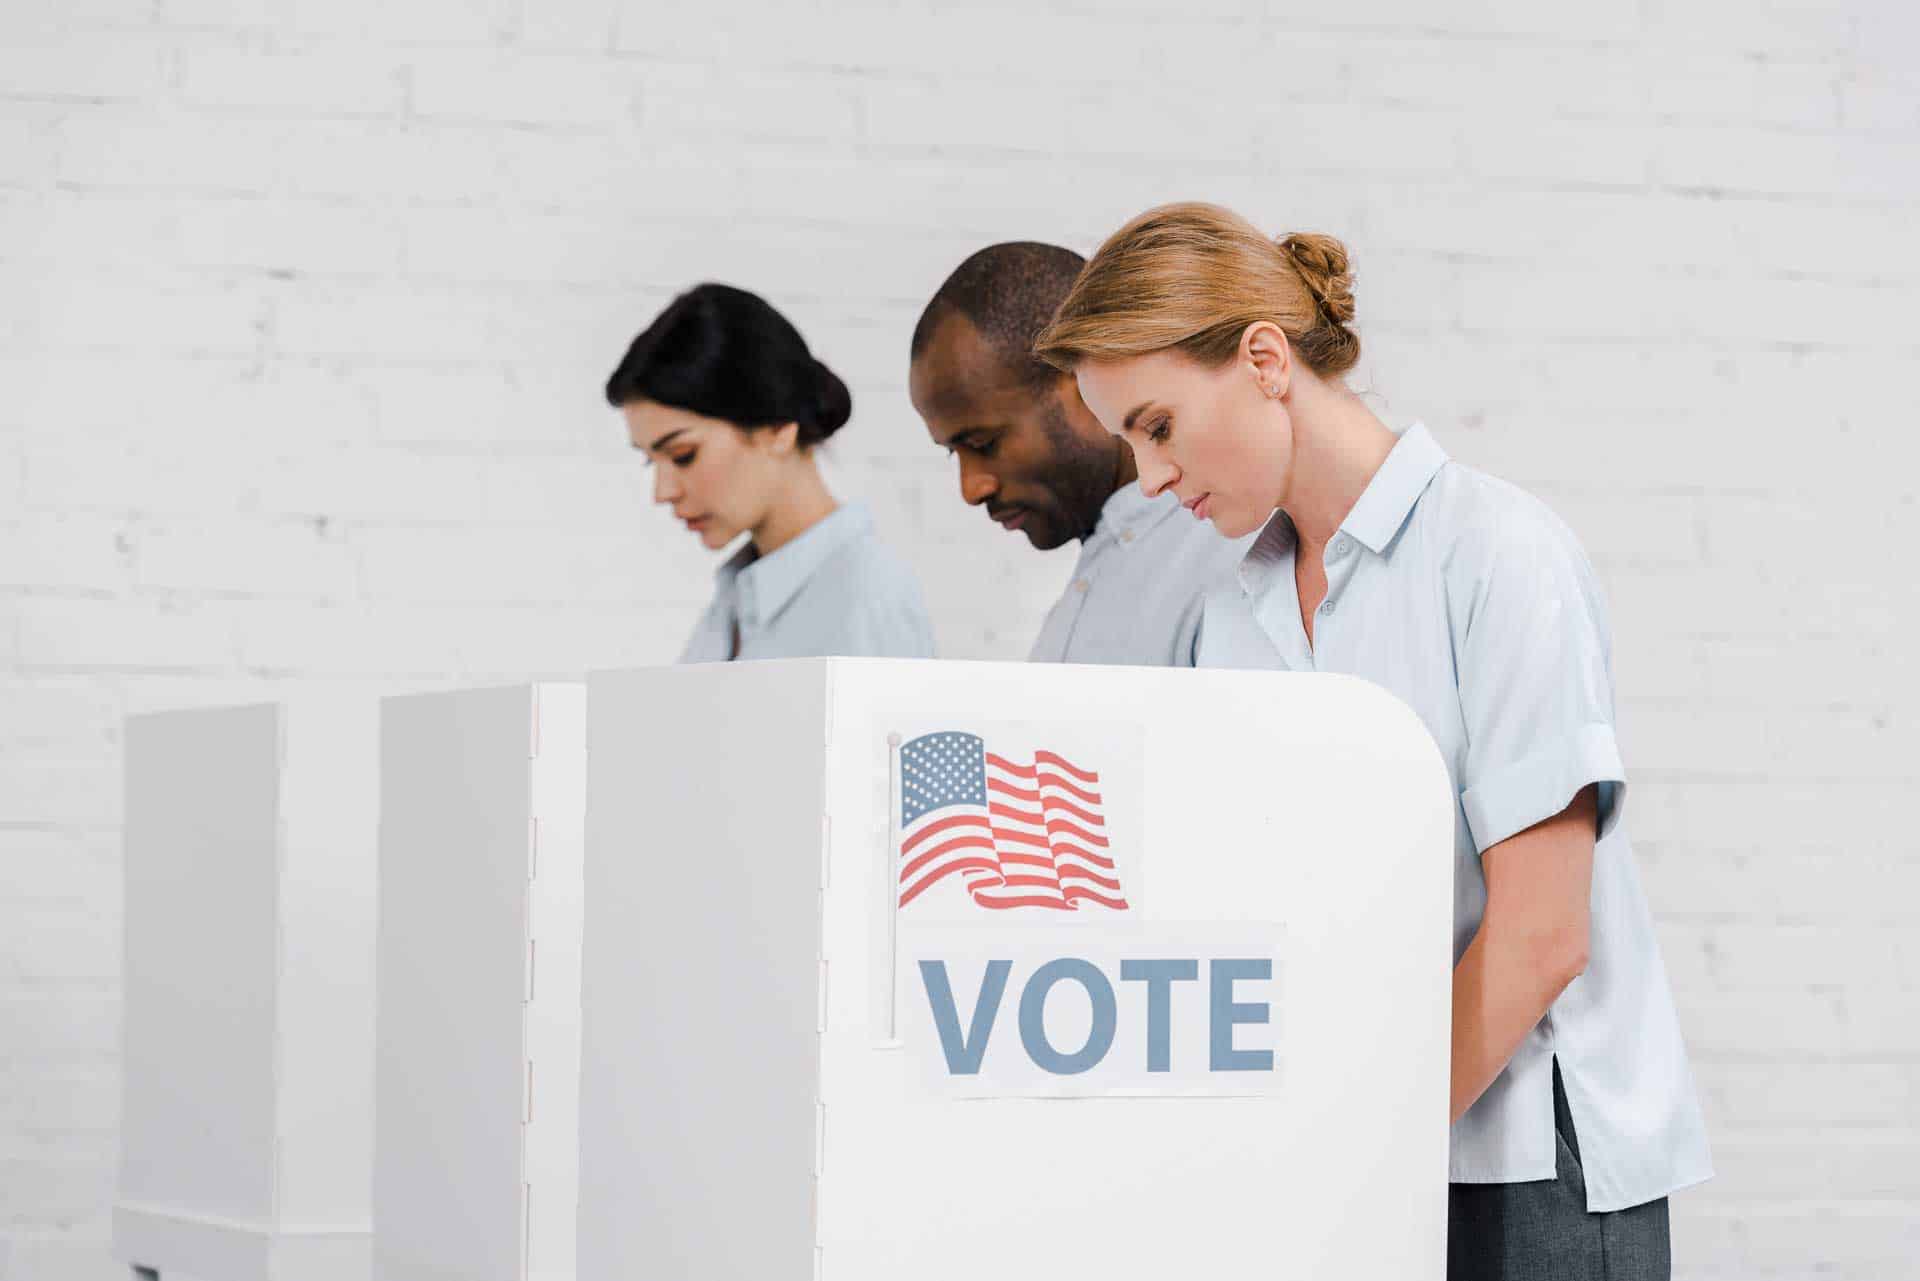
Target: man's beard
{"type": "Point", "coordinates": [1079, 475]}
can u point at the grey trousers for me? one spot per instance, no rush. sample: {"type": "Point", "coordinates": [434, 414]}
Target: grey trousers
{"type": "Point", "coordinates": [1543, 1232]}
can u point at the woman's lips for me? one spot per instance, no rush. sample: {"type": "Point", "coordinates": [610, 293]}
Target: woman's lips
{"type": "Point", "coordinates": [1201, 506]}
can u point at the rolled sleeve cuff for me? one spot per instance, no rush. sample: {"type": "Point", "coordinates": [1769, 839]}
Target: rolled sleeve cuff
{"type": "Point", "coordinates": [1534, 789]}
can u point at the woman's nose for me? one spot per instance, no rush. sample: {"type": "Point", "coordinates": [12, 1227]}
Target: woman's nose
{"type": "Point", "coordinates": [666, 487]}
{"type": "Point", "coordinates": [1157, 475]}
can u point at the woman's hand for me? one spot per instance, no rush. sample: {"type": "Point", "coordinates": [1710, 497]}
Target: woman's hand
{"type": "Point", "coordinates": [1532, 942]}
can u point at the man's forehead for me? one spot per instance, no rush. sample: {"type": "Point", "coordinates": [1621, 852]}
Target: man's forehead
{"type": "Point", "coordinates": [961, 373]}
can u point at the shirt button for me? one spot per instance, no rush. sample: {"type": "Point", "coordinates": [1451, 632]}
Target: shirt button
{"type": "Point", "coordinates": [1326, 607]}
{"type": "Point", "coordinates": [1081, 584]}
{"type": "Point", "coordinates": [1126, 535]}
{"type": "Point", "coordinates": [1340, 546]}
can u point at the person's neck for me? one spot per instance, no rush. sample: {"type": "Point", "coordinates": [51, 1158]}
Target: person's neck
{"type": "Point", "coordinates": [801, 506]}
{"type": "Point", "coordinates": [1338, 445]}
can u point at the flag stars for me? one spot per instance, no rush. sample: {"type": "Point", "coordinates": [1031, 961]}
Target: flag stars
{"type": "Point", "coordinates": [941, 769]}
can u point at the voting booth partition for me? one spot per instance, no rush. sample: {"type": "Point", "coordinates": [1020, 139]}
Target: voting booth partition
{"type": "Point", "coordinates": [478, 1042]}
{"type": "Point", "coordinates": [291, 867]}
{"type": "Point", "coordinates": [246, 1127]}
{"type": "Point", "coordinates": [947, 970]}
{"type": "Point", "coordinates": [827, 968]}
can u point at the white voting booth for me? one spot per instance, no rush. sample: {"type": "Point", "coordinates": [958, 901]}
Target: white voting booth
{"type": "Point", "coordinates": [246, 1131]}
{"type": "Point", "coordinates": [953, 970]}
{"type": "Point", "coordinates": [262, 843]}
{"type": "Point", "coordinates": [827, 968]}
{"type": "Point", "coordinates": [475, 1162]}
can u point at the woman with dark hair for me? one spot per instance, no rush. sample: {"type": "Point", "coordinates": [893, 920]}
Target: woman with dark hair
{"type": "Point", "coordinates": [722, 395]}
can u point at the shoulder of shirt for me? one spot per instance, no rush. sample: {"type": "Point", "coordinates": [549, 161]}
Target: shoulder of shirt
{"type": "Point", "coordinates": [872, 563]}
{"type": "Point", "coordinates": [1470, 518]}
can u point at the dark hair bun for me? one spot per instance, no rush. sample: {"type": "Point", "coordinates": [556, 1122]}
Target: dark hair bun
{"type": "Point", "coordinates": [726, 353]}
{"type": "Point", "coordinates": [833, 405]}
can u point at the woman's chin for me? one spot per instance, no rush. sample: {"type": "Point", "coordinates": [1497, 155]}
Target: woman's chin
{"type": "Point", "coordinates": [1233, 522]}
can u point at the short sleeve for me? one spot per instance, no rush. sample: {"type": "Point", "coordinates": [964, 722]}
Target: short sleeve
{"type": "Point", "coordinates": [1535, 679]}
{"type": "Point", "coordinates": [887, 617]}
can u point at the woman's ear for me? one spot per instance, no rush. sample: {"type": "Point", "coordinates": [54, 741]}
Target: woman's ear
{"type": "Point", "coordinates": [1265, 351]}
{"type": "Point", "coordinates": [781, 440]}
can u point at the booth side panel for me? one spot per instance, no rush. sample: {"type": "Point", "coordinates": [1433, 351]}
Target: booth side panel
{"type": "Point", "coordinates": [450, 1056]}
{"type": "Point", "coordinates": [329, 874]}
{"type": "Point", "coordinates": [202, 822]}
{"type": "Point", "coordinates": [701, 978]}
{"type": "Point", "coordinates": [553, 980]}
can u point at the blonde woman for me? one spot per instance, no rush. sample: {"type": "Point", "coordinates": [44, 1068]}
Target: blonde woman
{"type": "Point", "coordinates": [1219, 355]}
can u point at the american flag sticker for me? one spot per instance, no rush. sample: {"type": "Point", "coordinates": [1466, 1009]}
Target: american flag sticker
{"type": "Point", "coordinates": [1016, 822]}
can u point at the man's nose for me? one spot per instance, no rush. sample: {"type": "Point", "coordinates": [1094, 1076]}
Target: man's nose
{"type": "Point", "coordinates": [977, 484]}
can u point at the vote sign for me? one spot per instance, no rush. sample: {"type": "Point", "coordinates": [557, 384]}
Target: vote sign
{"type": "Point", "coordinates": [1031, 962]}
{"type": "Point", "coordinates": [1107, 1009]}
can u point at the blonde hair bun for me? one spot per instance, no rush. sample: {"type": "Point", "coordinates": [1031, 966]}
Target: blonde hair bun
{"type": "Point", "coordinates": [1322, 264]}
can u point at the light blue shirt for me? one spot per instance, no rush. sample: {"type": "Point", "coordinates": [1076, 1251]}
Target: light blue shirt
{"type": "Point", "coordinates": [833, 591]}
{"type": "Point", "coordinates": [1139, 585]}
{"type": "Point", "coordinates": [1473, 603]}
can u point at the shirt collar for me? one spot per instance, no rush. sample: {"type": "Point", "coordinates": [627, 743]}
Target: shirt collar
{"type": "Point", "coordinates": [1374, 521]}
{"type": "Point", "coordinates": [1395, 488]}
{"type": "Point", "coordinates": [764, 584]}
{"type": "Point", "coordinates": [1270, 548]}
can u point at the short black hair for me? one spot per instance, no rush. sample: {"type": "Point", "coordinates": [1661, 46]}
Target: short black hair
{"type": "Point", "coordinates": [1009, 292]}
{"type": "Point", "coordinates": [726, 353]}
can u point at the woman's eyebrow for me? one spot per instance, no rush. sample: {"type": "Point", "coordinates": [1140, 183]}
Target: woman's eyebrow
{"type": "Point", "coordinates": [661, 443]}
{"type": "Point", "coordinates": [1135, 413]}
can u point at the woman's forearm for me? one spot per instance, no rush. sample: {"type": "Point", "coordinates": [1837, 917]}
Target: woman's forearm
{"type": "Point", "coordinates": [1531, 943]}
{"type": "Point", "coordinates": [1502, 986]}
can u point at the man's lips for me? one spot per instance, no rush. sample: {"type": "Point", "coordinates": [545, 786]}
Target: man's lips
{"type": "Point", "coordinates": [1010, 518]}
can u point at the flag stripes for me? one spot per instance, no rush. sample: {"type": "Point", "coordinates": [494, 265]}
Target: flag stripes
{"type": "Point", "coordinates": [1017, 833]}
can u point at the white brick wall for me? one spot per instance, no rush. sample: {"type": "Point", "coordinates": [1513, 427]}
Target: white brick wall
{"type": "Point", "coordinates": [305, 306]}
